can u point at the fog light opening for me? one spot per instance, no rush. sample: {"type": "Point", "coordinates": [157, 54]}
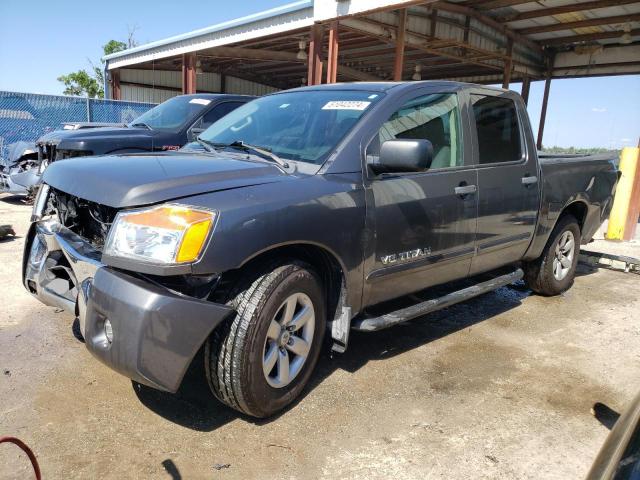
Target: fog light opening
{"type": "Point", "coordinates": [108, 331]}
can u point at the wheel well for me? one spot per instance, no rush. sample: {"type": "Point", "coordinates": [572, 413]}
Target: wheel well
{"type": "Point", "coordinates": [321, 260]}
{"type": "Point", "coordinates": [578, 210]}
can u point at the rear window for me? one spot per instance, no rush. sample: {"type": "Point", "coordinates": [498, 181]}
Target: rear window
{"type": "Point", "coordinates": [498, 129]}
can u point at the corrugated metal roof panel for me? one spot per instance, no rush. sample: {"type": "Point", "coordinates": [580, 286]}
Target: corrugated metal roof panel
{"type": "Point", "coordinates": [278, 20]}
{"type": "Point", "coordinates": [245, 87]}
{"type": "Point", "coordinates": [145, 94]}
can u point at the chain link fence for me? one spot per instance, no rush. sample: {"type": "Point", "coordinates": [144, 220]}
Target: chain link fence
{"type": "Point", "coordinates": [27, 116]}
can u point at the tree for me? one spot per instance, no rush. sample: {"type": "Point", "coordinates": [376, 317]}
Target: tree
{"type": "Point", "coordinates": [82, 83]}
{"type": "Point", "coordinates": [113, 46]}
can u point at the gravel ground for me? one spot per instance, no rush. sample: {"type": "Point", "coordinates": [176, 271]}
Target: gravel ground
{"type": "Point", "coordinates": [498, 387]}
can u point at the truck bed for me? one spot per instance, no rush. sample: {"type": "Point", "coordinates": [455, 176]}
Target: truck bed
{"type": "Point", "coordinates": [583, 181]}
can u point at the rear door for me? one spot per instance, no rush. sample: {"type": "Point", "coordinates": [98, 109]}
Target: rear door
{"type": "Point", "coordinates": [424, 223]}
{"type": "Point", "coordinates": [508, 184]}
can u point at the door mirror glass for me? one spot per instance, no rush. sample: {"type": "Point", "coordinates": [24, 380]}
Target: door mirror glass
{"type": "Point", "coordinates": [403, 156]}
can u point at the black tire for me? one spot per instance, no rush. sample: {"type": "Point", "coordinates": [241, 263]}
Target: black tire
{"type": "Point", "coordinates": [539, 274]}
{"type": "Point", "coordinates": [234, 351]}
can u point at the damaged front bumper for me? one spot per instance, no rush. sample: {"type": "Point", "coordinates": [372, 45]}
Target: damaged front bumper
{"type": "Point", "coordinates": [19, 183]}
{"type": "Point", "coordinates": [155, 332]}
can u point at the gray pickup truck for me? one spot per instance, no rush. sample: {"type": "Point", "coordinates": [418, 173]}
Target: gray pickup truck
{"type": "Point", "coordinates": [300, 218]}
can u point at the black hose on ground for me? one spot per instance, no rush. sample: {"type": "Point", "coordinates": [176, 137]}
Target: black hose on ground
{"type": "Point", "coordinates": [27, 450]}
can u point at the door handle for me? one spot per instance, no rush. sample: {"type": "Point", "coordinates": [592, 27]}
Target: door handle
{"type": "Point", "coordinates": [526, 181]}
{"type": "Point", "coordinates": [464, 190]}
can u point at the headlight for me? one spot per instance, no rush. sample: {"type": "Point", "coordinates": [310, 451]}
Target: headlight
{"type": "Point", "coordinates": [167, 234]}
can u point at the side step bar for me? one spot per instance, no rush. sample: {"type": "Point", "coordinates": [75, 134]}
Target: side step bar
{"type": "Point", "coordinates": [409, 313]}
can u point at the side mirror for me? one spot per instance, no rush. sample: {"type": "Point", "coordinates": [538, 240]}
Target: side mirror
{"type": "Point", "coordinates": [194, 132]}
{"type": "Point", "coordinates": [404, 156]}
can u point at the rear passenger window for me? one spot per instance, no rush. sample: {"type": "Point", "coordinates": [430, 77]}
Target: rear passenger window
{"type": "Point", "coordinates": [430, 117]}
{"type": "Point", "coordinates": [498, 129]}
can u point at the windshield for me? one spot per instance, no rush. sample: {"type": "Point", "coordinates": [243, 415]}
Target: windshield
{"type": "Point", "coordinates": [172, 114]}
{"type": "Point", "coordinates": [304, 126]}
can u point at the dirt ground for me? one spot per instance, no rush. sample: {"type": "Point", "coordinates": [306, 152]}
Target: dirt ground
{"type": "Point", "coordinates": [498, 387]}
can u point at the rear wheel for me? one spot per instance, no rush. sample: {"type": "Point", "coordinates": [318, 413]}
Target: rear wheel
{"type": "Point", "coordinates": [260, 361]}
{"type": "Point", "coordinates": [554, 272]}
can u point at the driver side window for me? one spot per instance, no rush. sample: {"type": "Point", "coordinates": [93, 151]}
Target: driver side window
{"type": "Point", "coordinates": [433, 117]}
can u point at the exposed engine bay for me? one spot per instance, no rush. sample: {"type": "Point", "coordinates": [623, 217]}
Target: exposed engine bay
{"type": "Point", "coordinates": [87, 219]}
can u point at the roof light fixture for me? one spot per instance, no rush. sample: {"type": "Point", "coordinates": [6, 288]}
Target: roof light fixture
{"type": "Point", "coordinates": [302, 50]}
{"type": "Point", "coordinates": [626, 37]}
{"type": "Point", "coordinates": [417, 75]}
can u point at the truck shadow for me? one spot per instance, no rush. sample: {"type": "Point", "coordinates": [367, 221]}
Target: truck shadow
{"type": "Point", "coordinates": [15, 199]}
{"type": "Point", "coordinates": [194, 407]}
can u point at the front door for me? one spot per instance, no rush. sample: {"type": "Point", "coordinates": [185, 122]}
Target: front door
{"type": "Point", "coordinates": [424, 222]}
{"type": "Point", "coordinates": [508, 184]}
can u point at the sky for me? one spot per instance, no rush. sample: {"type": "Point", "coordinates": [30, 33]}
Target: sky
{"type": "Point", "coordinates": [43, 39]}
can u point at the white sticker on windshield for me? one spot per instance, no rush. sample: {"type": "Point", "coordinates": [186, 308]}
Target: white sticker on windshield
{"type": "Point", "coordinates": [371, 97]}
{"type": "Point", "coordinates": [200, 101]}
{"type": "Point", "coordinates": [284, 105]}
{"type": "Point", "coordinates": [346, 105]}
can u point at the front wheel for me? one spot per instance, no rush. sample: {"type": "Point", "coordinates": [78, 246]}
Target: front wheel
{"type": "Point", "coordinates": [554, 272]}
{"type": "Point", "coordinates": [260, 361]}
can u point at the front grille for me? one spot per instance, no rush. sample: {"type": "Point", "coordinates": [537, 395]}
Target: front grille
{"type": "Point", "coordinates": [63, 154]}
{"type": "Point", "coordinates": [88, 219]}
{"type": "Point", "coordinates": [47, 152]}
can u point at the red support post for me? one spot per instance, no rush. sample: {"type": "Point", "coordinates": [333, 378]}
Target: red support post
{"type": "Point", "coordinates": [115, 85]}
{"type": "Point", "coordinates": [398, 65]}
{"type": "Point", "coordinates": [314, 74]}
{"type": "Point", "coordinates": [188, 73]}
{"type": "Point", "coordinates": [334, 46]}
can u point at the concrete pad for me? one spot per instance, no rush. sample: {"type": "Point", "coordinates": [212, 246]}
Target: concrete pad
{"type": "Point", "coordinates": [498, 387]}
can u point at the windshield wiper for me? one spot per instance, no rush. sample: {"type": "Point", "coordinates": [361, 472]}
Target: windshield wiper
{"type": "Point", "coordinates": [208, 146]}
{"type": "Point", "coordinates": [261, 151]}
{"type": "Point", "coordinates": [141, 124]}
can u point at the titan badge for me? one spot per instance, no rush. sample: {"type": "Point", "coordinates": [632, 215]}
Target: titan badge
{"type": "Point", "coordinates": [409, 256]}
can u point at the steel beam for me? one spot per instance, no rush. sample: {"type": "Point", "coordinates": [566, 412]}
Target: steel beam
{"type": "Point", "coordinates": [412, 40]}
{"type": "Point", "coordinates": [188, 73]}
{"type": "Point", "coordinates": [250, 54]}
{"type": "Point", "coordinates": [398, 65]}
{"type": "Point", "coordinates": [508, 65]}
{"type": "Point", "coordinates": [526, 87]}
{"type": "Point", "coordinates": [434, 23]}
{"type": "Point", "coordinates": [115, 84]}
{"type": "Point", "coordinates": [279, 56]}
{"type": "Point", "coordinates": [314, 73]}
{"type": "Point", "coordinates": [471, 12]}
{"type": "Point", "coordinates": [587, 37]}
{"type": "Point", "coordinates": [573, 7]}
{"type": "Point", "coordinates": [332, 60]}
{"type": "Point", "coordinates": [543, 112]}
{"type": "Point", "coordinates": [589, 22]}
{"type": "Point", "coordinates": [493, 4]}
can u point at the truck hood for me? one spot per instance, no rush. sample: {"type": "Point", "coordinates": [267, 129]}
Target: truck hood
{"type": "Point", "coordinates": [99, 140]}
{"type": "Point", "coordinates": [121, 181]}
{"type": "Point", "coordinates": [88, 134]}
